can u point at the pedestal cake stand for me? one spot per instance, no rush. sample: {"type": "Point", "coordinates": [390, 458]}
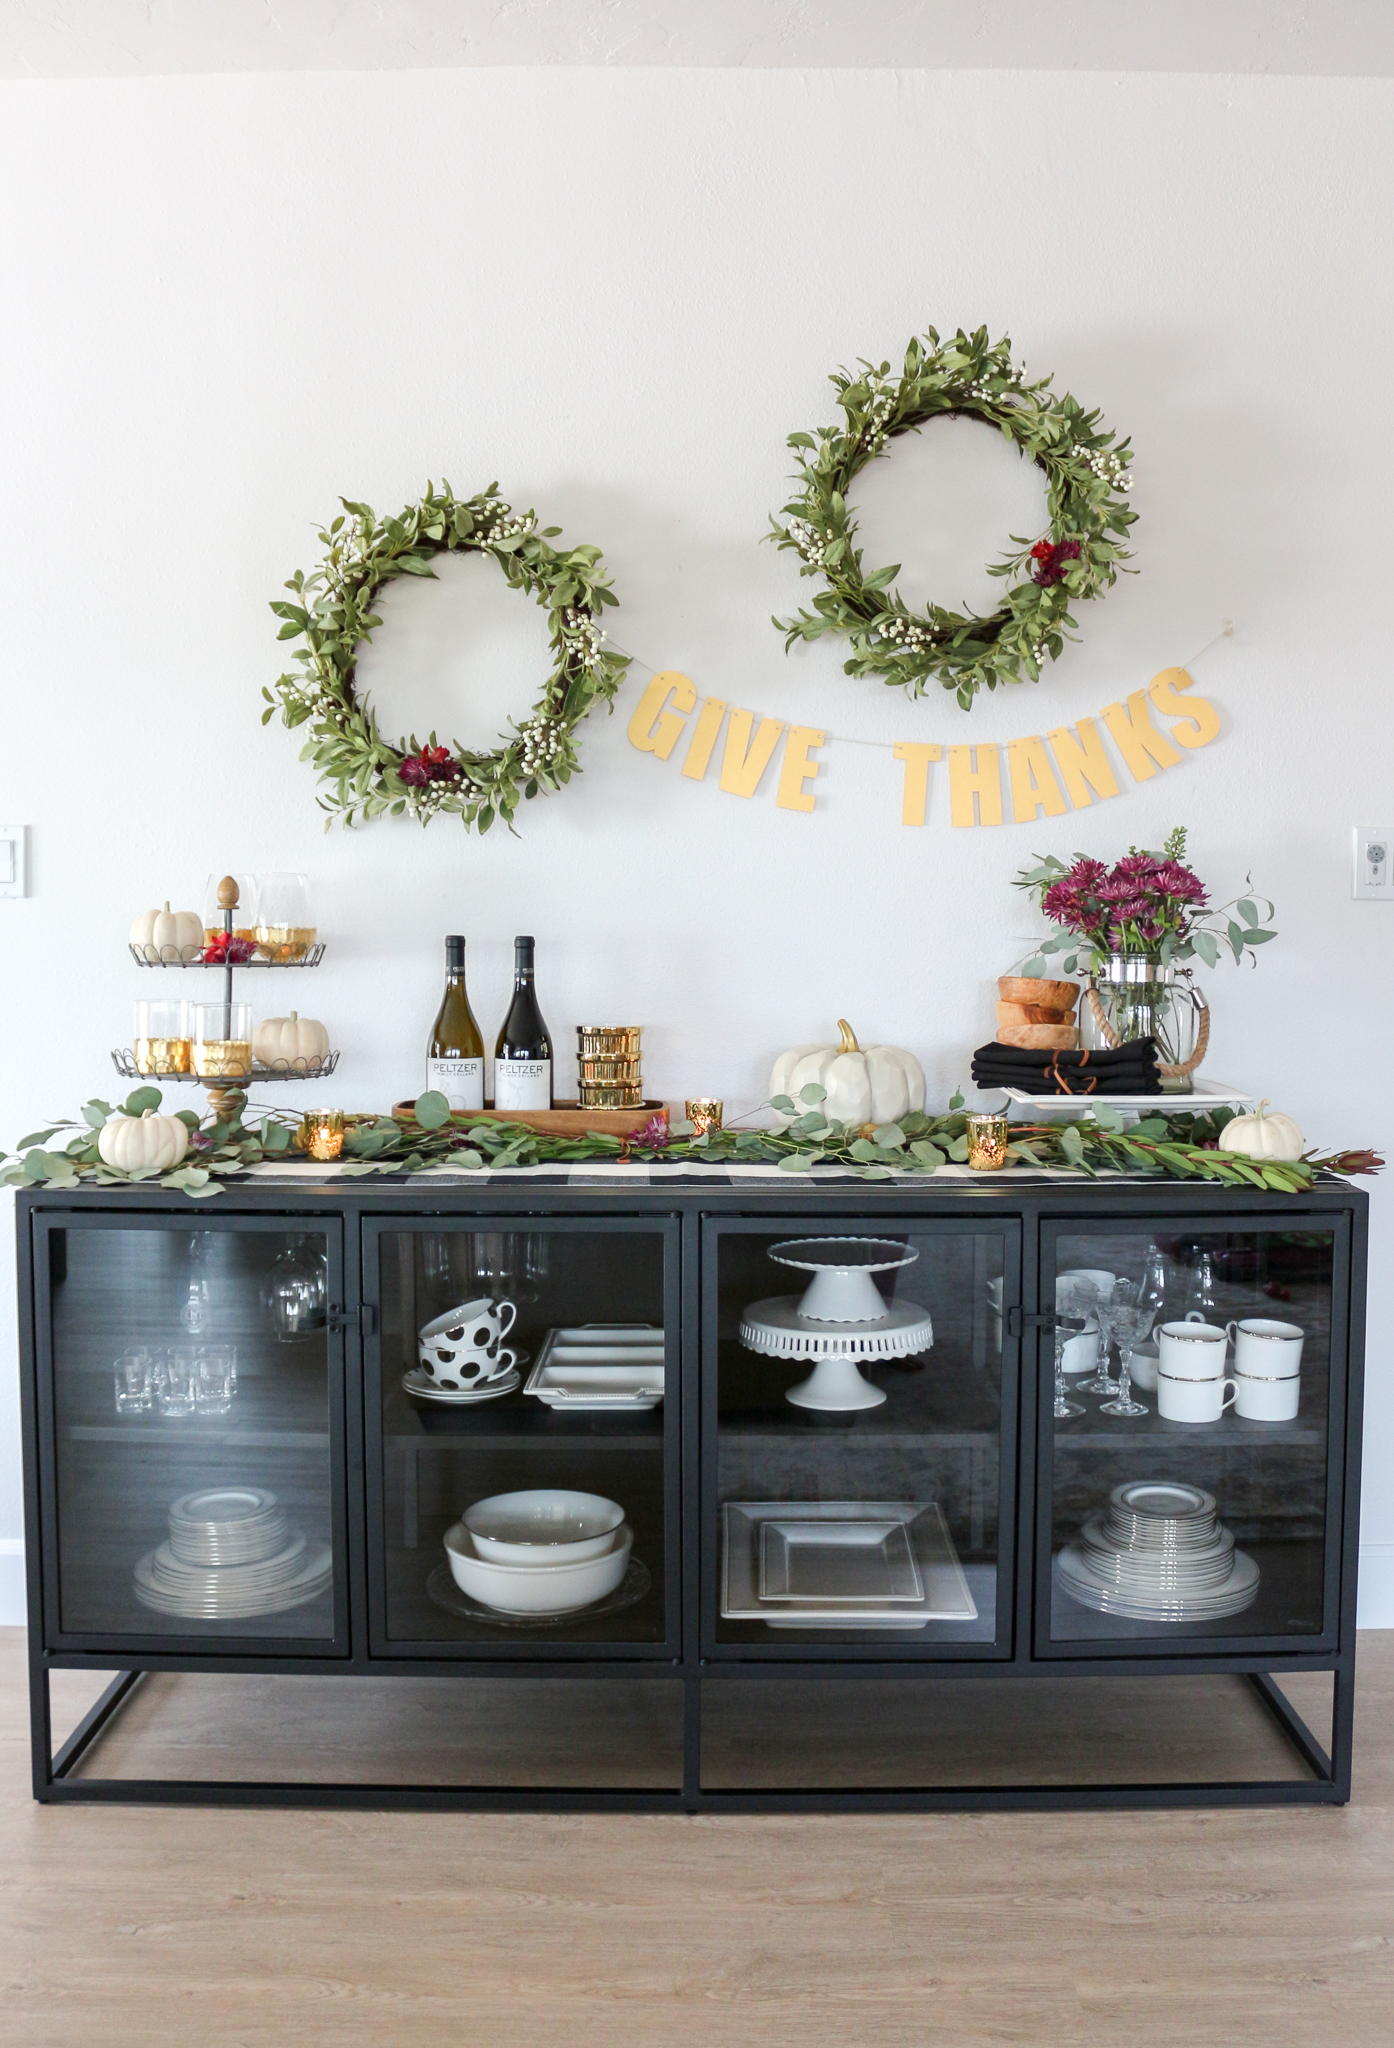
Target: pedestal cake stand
{"type": "Point", "coordinates": [840, 1318]}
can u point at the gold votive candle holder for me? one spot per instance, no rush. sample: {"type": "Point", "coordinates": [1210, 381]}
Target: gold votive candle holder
{"type": "Point", "coordinates": [987, 1140]}
{"type": "Point", "coordinates": [704, 1113]}
{"type": "Point", "coordinates": [321, 1133]}
{"type": "Point", "coordinates": [608, 1041]}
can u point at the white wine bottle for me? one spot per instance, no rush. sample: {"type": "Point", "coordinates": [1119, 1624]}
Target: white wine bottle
{"type": "Point", "coordinates": [523, 1055]}
{"type": "Point", "coordinates": [455, 1055]}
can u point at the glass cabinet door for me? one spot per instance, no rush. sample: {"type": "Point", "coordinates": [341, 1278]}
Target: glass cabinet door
{"type": "Point", "coordinates": [523, 1487]}
{"type": "Point", "coordinates": [191, 1394]}
{"type": "Point", "coordinates": [858, 1429]}
{"type": "Point", "coordinates": [1199, 1504]}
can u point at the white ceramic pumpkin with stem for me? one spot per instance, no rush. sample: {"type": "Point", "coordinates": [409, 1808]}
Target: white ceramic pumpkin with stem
{"type": "Point", "coordinates": [1263, 1135]}
{"type": "Point", "coordinates": [289, 1038]}
{"type": "Point", "coordinates": [143, 1144]}
{"type": "Point", "coordinates": [871, 1084]}
{"type": "Point", "coordinates": [166, 933]}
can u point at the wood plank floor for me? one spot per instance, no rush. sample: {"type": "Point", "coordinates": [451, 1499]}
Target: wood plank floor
{"type": "Point", "coordinates": [247, 1929]}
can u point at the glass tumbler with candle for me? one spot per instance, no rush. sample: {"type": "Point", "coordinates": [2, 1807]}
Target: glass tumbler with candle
{"type": "Point", "coordinates": [163, 1041]}
{"type": "Point", "coordinates": [223, 1040]}
{"type": "Point", "coordinates": [285, 929]}
{"type": "Point", "coordinates": [987, 1140]}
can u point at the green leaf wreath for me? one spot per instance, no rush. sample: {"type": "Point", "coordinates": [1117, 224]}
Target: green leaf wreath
{"type": "Point", "coordinates": [1182, 1146]}
{"type": "Point", "coordinates": [1087, 483]}
{"type": "Point", "coordinates": [331, 612]}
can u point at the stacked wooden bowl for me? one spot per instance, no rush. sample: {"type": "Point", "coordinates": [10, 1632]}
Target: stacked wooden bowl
{"type": "Point", "coordinates": [1036, 1014]}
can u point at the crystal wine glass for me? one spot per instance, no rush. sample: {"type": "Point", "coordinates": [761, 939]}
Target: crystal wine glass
{"type": "Point", "coordinates": [1102, 1382]}
{"type": "Point", "coordinates": [1127, 1320]}
{"type": "Point", "coordinates": [1073, 1301]}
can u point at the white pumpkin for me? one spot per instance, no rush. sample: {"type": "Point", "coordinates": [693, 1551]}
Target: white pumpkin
{"type": "Point", "coordinates": [159, 933]}
{"type": "Point", "coordinates": [871, 1084]}
{"type": "Point", "coordinates": [1263, 1137]}
{"type": "Point", "coordinates": [289, 1038]}
{"type": "Point", "coordinates": [136, 1143]}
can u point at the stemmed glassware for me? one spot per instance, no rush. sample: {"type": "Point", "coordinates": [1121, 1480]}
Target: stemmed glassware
{"type": "Point", "coordinates": [1102, 1383]}
{"type": "Point", "coordinates": [1128, 1320]}
{"type": "Point", "coordinates": [1154, 1286]}
{"type": "Point", "coordinates": [1074, 1299]}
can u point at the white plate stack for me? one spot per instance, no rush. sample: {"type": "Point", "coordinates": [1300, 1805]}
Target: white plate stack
{"type": "Point", "coordinates": [1158, 1553]}
{"type": "Point", "coordinates": [232, 1555]}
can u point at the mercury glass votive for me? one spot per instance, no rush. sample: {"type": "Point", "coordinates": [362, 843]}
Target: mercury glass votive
{"type": "Point", "coordinates": [987, 1140]}
{"type": "Point", "coordinates": [704, 1114]}
{"type": "Point", "coordinates": [321, 1133]}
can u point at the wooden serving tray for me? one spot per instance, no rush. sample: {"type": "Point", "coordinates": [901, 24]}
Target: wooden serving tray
{"type": "Point", "coordinates": [566, 1120]}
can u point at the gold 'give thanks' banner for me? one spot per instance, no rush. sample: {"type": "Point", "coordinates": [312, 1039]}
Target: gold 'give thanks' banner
{"type": "Point", "coordinates": [1045, 775]}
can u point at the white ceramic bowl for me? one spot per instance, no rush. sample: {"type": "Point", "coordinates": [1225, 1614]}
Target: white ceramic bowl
{"type": "Point", "coordinates": [542, 1525]}
{"type": "Point", "coordinates": [533, 1588]}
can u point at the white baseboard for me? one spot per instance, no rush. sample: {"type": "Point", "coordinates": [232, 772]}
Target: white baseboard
{"type": "Point", "coordinates": [13, 1599]}
{"type": "Point", "coordinates": [1376, 1608]}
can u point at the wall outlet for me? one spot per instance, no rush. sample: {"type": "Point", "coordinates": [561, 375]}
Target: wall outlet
{"type": "Point", "coordinates": [14, 860]}
{"type": "Point", "coordinates": [1372, 856]}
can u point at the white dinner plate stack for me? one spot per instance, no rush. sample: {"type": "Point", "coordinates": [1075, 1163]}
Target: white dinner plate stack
{"type": "Point", "coordinates": [231, 1555]}
{"type": "Point", "coordinates": [1158, 1553]}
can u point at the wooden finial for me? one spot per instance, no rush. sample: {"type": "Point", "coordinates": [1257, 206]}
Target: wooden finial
{"type": "Point", "coordinates": [227, 893]}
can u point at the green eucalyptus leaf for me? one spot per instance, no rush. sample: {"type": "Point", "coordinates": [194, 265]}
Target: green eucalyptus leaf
{"type": "Point", "coordinates": [432, 1110]}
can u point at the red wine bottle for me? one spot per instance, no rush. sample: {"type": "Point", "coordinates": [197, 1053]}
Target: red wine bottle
{"type": "Point", "coordinates": [523, 1055]}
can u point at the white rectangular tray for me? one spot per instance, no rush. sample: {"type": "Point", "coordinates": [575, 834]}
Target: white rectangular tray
{"type": "Point", "coordinates": [1205, 1095]}
{"type": "Point", "coordinates": [593, 1366]}
{"type": "Point", "coordinates": [945, 1598]}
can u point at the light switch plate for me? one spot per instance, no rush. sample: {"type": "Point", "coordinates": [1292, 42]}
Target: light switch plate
{"type": "Point", "coordinates": [1372, 863]}
{"type": "Point", "coordinates": [14, 860]}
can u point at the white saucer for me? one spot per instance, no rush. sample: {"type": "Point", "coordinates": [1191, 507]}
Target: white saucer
{"type": "Point", "coordinates": [416, 1383]}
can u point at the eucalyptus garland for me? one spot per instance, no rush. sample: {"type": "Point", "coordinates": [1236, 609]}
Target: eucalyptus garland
{"type": "Point", "coordinates": [1180, 1146]}
{"type": "Point", "coordinates": [331, 612]}
{"type": "Point", "coordinates": [1087, 483]}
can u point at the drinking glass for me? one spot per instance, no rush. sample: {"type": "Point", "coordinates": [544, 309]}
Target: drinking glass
{"type": "Point", "coordinates": [296, 1291]}
{"type": "Point", "coordinates": [285, 929]}
{"type": "Point", "coordinates": [1122, 1294]}
{"type": "Point", "coordinates": [508, 1265]}
{"type": "Point", "coordinates": [133, 1383]}
{"type": "Point", "coordinates": [1128, 1320]}
{"type": "Point", "coordinates": [223, 1039]}
{"type": "Point", "coordinates": [214, 1379]}
{"type": "Point", "coordinates": [1201, 1293]}
{"type": "Point", "coordinates": [174, 1392]}
{"type": "Point", "coordinates": [1074, 1299]}
{"type": "Point", "coordinates": [163, 1043]}
{"type": "Point", "coordinates": [198, 1305]}
{"type": "Point", "coordinates": [1153, 1294]}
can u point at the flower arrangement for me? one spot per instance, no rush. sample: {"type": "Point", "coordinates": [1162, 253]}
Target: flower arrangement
{"type": "Point", "coordinates": [1152, 904]}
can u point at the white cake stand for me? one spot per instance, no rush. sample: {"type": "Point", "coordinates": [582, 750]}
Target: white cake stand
{"type": "Point", "coordinates": [840, 1319]}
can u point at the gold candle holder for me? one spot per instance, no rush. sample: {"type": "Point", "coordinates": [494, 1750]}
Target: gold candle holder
{"type": "Point", "coordinates": [987, 1140]}
{"type": "Point", "coordinates": [163, 1039]}
{"type": "Point", "coordinates": [704, 1113]}
{"type": "Point", "coordinates": [321, 1133]}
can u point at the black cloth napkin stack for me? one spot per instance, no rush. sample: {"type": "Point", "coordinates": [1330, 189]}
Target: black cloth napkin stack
{"type": "Point", "coordinates": [1130, 1070]}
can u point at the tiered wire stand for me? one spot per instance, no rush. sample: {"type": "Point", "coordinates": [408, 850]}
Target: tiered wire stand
{"type": "Point", "coordinates": [227, 1093]}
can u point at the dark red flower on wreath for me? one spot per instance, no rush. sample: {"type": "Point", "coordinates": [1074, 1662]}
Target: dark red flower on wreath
{"type": "Point", "coordinates": [1050, 558]}
{"type": "Point", "coordinates": [432, 764]}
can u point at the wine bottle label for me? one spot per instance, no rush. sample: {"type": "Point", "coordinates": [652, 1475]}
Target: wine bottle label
{"type": "Point", "coordinates": [461, 1082]}
{"type": "Point", "coordinates": [522, 1084]}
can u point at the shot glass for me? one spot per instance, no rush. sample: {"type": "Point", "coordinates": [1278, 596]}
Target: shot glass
{"type": "Point", "coordinates": [215, 1376]}
{"type": "Point", "coordinates": [174, 1391]}
{"type": "Point", "coordinates": [133, 1383]}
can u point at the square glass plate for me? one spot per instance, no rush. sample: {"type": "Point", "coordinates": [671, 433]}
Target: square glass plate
{"type": "Point", "coordinates": [863, 1561]}
{"type": "Point", "coordinates": [945, 1595]}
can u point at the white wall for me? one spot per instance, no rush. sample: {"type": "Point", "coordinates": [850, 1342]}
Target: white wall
{"type": "Point", "coordinates": [227, 300]}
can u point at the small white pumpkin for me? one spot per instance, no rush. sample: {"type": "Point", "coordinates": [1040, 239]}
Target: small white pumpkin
{"type": "Point", "coordinates": [1263, 1137]}
{"type": "Point", "coordinates": [871, 1084]}
{"type": "Point", "coordinates": [137, 1143]}
{"type": "Point", "coordinates": [289, 1038]}
{"type": "Point", "coordinates": [160, 933]}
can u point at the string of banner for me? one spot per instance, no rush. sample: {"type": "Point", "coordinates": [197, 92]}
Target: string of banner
{"type": "Point", "coordinates": [1042, 771]}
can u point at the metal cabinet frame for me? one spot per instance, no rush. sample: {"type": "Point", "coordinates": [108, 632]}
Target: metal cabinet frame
{"type": "Point", "coordinates": [692, 1210]}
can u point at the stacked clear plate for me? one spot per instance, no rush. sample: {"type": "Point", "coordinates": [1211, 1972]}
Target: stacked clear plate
{"type": "Point", "coordinates": [1158, 1553]}
{"type": "Point", "coordinates": [232, 1554]}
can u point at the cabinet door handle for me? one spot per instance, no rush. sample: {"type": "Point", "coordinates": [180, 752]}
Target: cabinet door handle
{"type": "Point", "coordinates": [1018, 1321]}
{"type": "Point", "coordinates": [364, 1317]}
